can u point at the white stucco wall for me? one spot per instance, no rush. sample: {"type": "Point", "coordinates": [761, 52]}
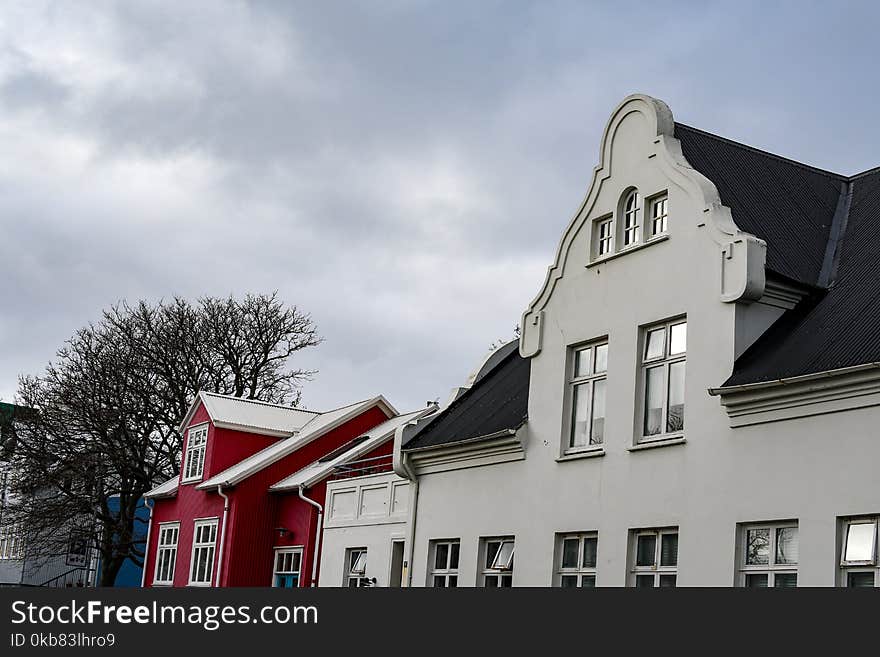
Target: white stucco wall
{"type": "Point", "coordinates": [812, 470]}
{"type": "Point", "coordinates": [363, 521]}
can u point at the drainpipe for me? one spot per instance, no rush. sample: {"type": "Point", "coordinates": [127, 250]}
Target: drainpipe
{"type": "Point", "coordinates": [222, 534]}
{"type": "Point", "coordinates": [317, 534]}
{"type": "Point", "coordinates": [147, 544]}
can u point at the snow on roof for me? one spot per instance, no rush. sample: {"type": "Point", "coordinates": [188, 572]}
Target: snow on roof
{"type": "Point", "coordinates": [250, 415]}
{"type": "Point", "coordinates": [366, 442]}
{"type": "Point", "coordinates": [168, 489]}
{"type": "Point", "coordinates": [316, 427]}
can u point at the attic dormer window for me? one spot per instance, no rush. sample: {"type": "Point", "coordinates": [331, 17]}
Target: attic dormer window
{"type": "Point", "coordinates": [194, 463]}
{"type": "Point", "coordinates": [632, 210]}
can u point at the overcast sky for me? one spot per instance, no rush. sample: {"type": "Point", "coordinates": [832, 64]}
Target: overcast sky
{"type": "Point", "coordinates": [401, 170]}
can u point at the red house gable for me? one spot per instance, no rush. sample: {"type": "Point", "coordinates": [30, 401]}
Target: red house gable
{"type": "Point", "coordinates": [216, 527]}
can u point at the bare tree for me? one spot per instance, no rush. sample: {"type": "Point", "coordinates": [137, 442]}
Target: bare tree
{"type": "Point", "coordinates": [108, 407]}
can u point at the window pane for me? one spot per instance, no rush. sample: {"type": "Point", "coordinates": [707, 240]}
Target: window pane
{"type": "Point", "coordinates": [507, 581]}
{"type": "Point", "coordinates": [669, 550]}
{"type": "Point", "coordinates": [579, 411]}
{"type": "Point", "coordinates": [644, 581]}
{"type": "Point", "coordinates": [601, 358]}
{"type": "Point", "coordinates": [667, 581]}
{"type": "Point", "coordinates": [453, 556]}
{"type": "Point", "coordinates": [597, 426]}
{"type": "Point", "coordinates": [859, 580]}
{"type": "Point", "coordinates": [678, 339]}
{"type": "Point", "coordinates": [582, 362]}
{"type": "Point", "coordinates": [439, 581]}
{"type": "Point", "coordinates": [590, 545]}
{"type": "Point", "coordinates": [787, 545]}
{"type": "Point", "coordinates": [653, 400]}
{"type": "Point", "coordinates": [452, 582]}
{"type": "Point", "coordinates": [588, 582]}
{"type": "Point", "coordinates": [655, 343]}
{"type": "Point", "coordinates": [569, 581]}
{"type": "Point", "coordinates": [860, 542]}
{"type": "Point", "coordinates": [757, 547]}
{"type": "Point", "coordinates": [570, 552]}
{"type": "Point", "coordinates": [675, 416]}
{"type": "Point", "coordinates": [504, 558]}
{"type": "Point", "coordinates": [756, 581]}
{"type": "Point", "coordinates": [785, 580]}
{"type": "Point", "coordinates": [441, 556]}
{"type": "Point", "coordinates": [646, 549]}
{"type": "Point", "coordinates": [491, 551]}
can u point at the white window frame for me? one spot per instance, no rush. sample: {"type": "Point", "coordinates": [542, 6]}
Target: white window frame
{"type": "Point", "coordinates": [194, 455]}
{"type": "Point", "coordinates": [658, 202]}
{"type": "Point", "coordinates": [656, 570]}
{"type": "Point", "coordinates": [356, 577]}
{"type": "Point", "coordinates": [771, 568]}
{"type": "Point", "coordinates": [665, 361]}
{"type": "Point", "coordinates": [449, 573]}
{"type": "Point", "coordinates": [586, 382]}
{"type": "Point", "coordinates": [208, 546]}
{"type": "Point", "coordinates": [631, 220]}
{"type": "Point", "coordinates": [11, 543]}
{"type": "Point", "coordinates": [166, 531]}
{"type": "Point", "coordinates": [500, 570]}
{"type": "Point", "coordinates": [584, 576]}
{"type": "Point", "coordinates": [280, 554]}
{"type": "Point", "coordinates": [865, 566]}
{"type": "Point", "coordinates": [604, 237]}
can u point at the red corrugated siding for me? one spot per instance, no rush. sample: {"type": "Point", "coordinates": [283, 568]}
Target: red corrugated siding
{"type": "Point", "coordinates": [254, 513]}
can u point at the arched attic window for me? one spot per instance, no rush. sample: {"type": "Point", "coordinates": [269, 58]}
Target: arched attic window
{"type": "Point", "coordinates": [632, 211]}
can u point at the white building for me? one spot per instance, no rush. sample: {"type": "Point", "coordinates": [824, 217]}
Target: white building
{"type": "Point", "coordinates": [694, 397]}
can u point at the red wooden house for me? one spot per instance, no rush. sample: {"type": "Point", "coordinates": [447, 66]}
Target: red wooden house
{"type": "Point", "coordinates": [218, 523]}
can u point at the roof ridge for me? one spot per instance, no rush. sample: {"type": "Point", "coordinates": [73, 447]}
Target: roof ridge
{"type": "Point", "coordinates": [761, 151]}
{"type": "Point", "coordinates": [260, 402]}
{"type": "Point", "coordinates": [866, 172]}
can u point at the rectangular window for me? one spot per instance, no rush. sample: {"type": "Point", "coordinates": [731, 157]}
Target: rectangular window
{"type": "Point", "coordinates": [604, 236]}
{"type": "Point", "coordinates": [587, 393]}
{"type": "Point", "coordinates": [356, 568]}
{"type": "Point", "coordinates": [659, 215]}
{"type": "Point", "coordinates": [576, 560]}
{"type": "Point", "coordinates": [201, 572]}
{"type": "Point", "coordinates": [194, 464]}
{"type": "Point", "coordinates": [166, 553]}
{"type": "Point", "coordinates": [497, 562]}
{"type": "Point", "coordinates": [11, 543]}
{"type": "Point", "coordinates": [654, 558]}
{"type": "Point", "coordinates": [664, 349]}
{"type": "Point", "coordinates": [444, 564]}
{"type": "Point", "coordinates": [288, 565]}
{"type": "Point", "coordinates": [769, 555]}
{"type": "Point", "coordinates": [858, 552]}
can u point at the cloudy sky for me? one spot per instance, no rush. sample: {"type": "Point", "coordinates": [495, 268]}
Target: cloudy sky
{"type": "Point", "coordinates": [400, 170]}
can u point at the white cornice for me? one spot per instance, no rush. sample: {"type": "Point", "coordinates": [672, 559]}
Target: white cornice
{"type": "Point", "coordinates": [504, 447]}
{"type": "Point", "coordinates": [801, 396]}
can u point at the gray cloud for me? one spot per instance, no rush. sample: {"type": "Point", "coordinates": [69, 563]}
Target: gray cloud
{"type": "Point", "coordinates": [400, 170]}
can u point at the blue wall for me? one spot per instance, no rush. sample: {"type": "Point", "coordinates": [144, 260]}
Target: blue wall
{"type": "Point", "coordinates": [130, 574]}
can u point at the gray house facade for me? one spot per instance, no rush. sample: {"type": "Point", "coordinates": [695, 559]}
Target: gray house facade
{"type": "Point", "coordinates": [693, 400]}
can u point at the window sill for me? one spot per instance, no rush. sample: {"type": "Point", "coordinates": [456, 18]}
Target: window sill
{"type": "Point", "coordinates": [662, 442]}
{"type": "Point", "coordinates": [196, 480]}
{"type": "Point", "coordinates": [583, 454]}
{"type": "Point", "coordinates": [611, 256]}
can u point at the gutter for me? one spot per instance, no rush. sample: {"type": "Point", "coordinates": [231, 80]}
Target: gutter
{"type": "Point", "coordinates": [222, 534]}
{"type": "Point", "coordinates": [317, 534]}
{"type": "Point", "coordinates": [147, 543]}
{"type": "Point", "coordinates": [489, 436]}
{"type": "Point", "coordinates": [793, 380]}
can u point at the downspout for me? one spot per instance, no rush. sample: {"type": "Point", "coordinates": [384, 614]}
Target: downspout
{"type": "Point", "coordinates": [147, 544]}
{"type": "Point", "coordinates": [317, 534]}
{"type": "Point", "coordinates": [222, 534]}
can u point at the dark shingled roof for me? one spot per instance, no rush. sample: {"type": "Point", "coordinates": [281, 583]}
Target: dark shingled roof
{"type": "Point", "coordinates": [497, 400]}
{"type": "Point", "coordinates": [822, 230]}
